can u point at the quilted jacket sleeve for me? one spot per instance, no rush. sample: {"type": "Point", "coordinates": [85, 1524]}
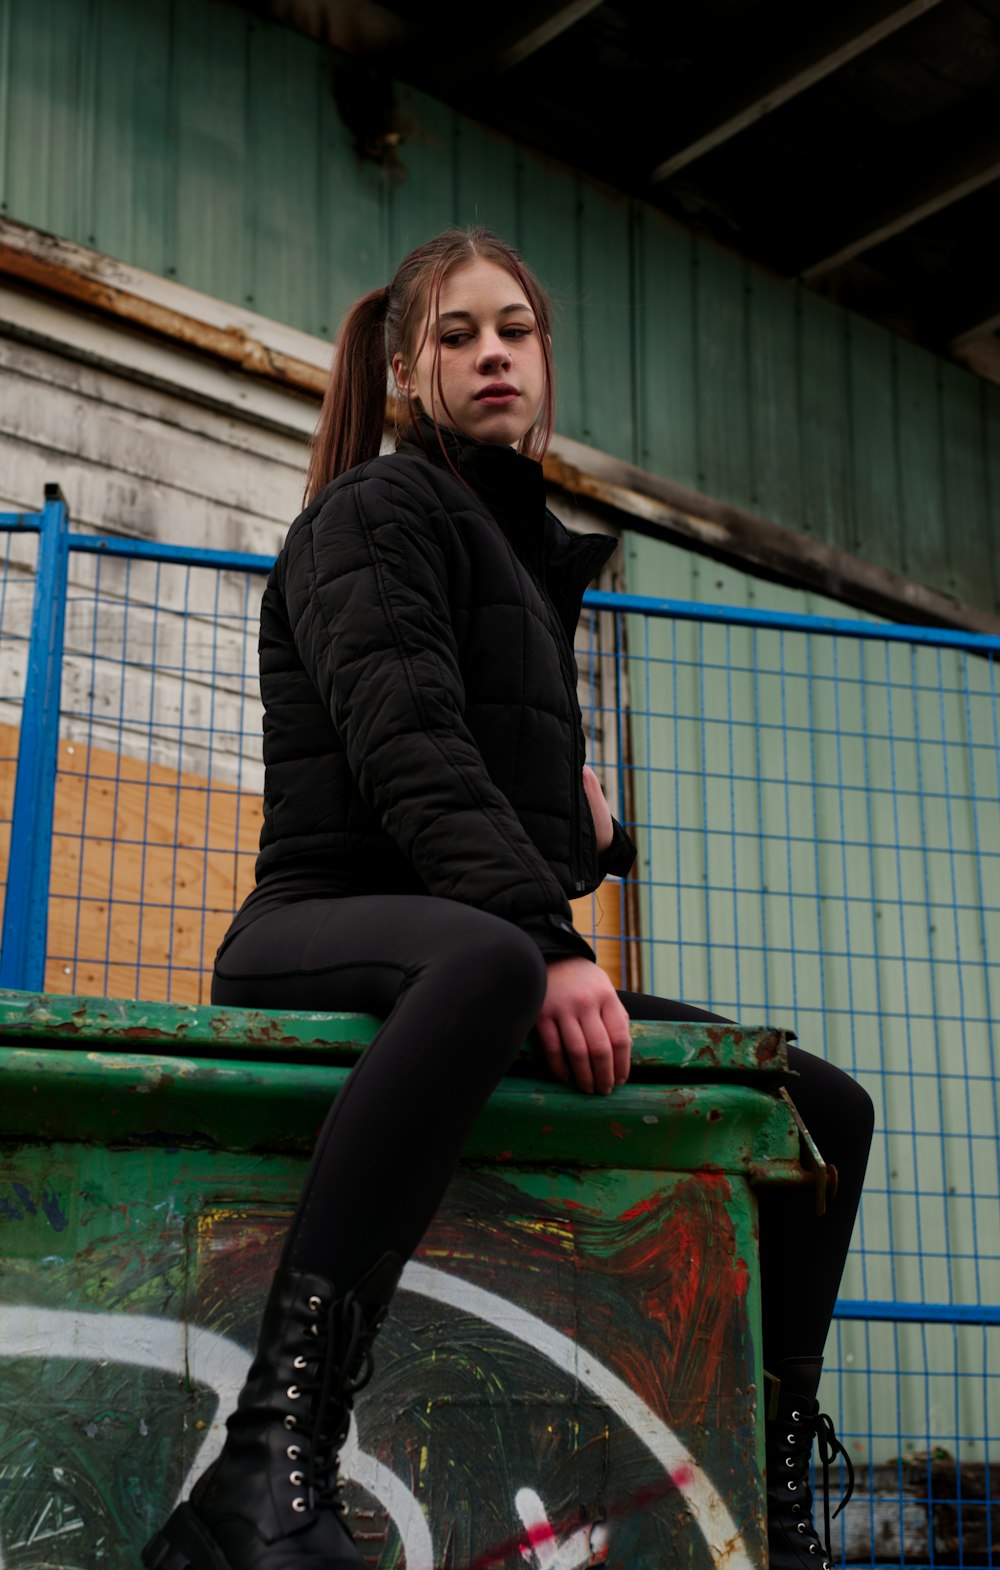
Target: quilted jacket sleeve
{"type": "Point", "coordinates": [620, 854]}
{"type": "Point", "coordinates": [367, 594]}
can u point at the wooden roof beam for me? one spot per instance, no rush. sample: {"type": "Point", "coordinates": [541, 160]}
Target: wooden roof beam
{"type": "Point", "coordinates": [964, 167]}
{"type": "Point", "coordinates": [501, 49]}
{"type": "Point", "coordinates": [855, 29]}
{"type": "Point", "coordinates": [982, 318]}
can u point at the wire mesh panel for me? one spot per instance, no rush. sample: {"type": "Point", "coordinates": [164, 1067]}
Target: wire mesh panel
{"type": "Point", "coordinates": [817, 811]}
{"type": "Point", "coordinates": [819, 833]}
{"type": "Point", "coordinates": [158, 789]}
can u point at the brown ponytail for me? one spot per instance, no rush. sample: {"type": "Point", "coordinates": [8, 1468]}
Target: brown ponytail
{"type": "Point", "coordinates": [396, 320]}
{"type": "Point", "coordinates": [353, 415]}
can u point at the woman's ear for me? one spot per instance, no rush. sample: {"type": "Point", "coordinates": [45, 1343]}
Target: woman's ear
{"type": "Point", "coordinates": [400, 373]}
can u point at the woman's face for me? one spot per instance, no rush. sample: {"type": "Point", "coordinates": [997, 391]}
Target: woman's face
{"type": "Point", "coordinates": [492, 368]}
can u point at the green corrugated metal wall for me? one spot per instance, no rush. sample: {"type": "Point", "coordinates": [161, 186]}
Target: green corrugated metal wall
{"type": "Point", "coordinates": [188, 138]}
{"type": "Point", "coordinates": [816, 822]}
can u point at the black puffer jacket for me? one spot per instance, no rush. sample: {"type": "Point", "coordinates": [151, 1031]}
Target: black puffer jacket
{"type": "Point", "coordinates": [422, 732]}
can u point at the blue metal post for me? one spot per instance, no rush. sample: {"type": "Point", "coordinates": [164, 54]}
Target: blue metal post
{"type": "Point", "coordinates": [26, 910]}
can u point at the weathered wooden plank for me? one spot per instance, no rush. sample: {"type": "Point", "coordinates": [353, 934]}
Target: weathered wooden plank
{"type": "Point", "coordinates": [141, 445]}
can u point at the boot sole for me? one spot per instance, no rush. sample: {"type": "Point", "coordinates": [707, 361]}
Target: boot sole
{"type": "Point", "coordinates": [183, 1544]}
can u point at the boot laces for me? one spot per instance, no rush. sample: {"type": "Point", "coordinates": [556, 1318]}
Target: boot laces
{"type": "Point", "coordinates": [830, 1447]}
{"type": "Point", "coordinates": [793, 1451]}
{"type": "Point", "coordinates": [344, 1366]}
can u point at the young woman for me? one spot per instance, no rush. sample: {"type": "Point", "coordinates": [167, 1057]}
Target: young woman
{"type": "Point", "coordinates": [427, 817]}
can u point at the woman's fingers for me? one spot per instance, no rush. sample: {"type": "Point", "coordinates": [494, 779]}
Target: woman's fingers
{"type": "Point", "coordinates": [552, 1048]}
{"type": "Point", "coordinates": [617, 1023]}
{"type": "Point", "coordinates": [583, 1027]}
{"type": "Point", "coordinates": [578, 1055]}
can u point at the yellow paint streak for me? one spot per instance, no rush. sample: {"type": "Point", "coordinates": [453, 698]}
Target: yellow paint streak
{"type": "Point", "coordinates": [560, 1231]}
{"type": "Point", "coordinates": [208, 1220]}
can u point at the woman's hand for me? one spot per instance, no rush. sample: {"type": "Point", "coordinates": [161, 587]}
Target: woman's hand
{"type": "Point", "coordinates": [584, 1027]}
{"type": "Point", "coordinates": [600, 811]}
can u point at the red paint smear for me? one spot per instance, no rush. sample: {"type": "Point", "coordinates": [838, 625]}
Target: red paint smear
{"type": "Point", "coordinates": [689, 1283]}
{"type": "Point", "coordinates": [617, 1130]}
{"type": "Point", "coordinates": [640, 1209]}
{"type": "Point", "coordinates": [501, 1553]}
{"type": "Point", "coordinates": [540, 1534]}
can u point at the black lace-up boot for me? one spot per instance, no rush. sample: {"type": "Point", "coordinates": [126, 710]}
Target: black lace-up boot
{"type": "Point", "coordinates": [793, 1421]}
{"type": "Point", "coordinates": [272, 1500]}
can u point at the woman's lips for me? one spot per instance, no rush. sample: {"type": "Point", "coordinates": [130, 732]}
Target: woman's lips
{"type": "Point", "coordinates": [497, 395]}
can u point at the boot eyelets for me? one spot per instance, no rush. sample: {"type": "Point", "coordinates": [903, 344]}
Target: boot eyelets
{"type": "Point", "coordinates": [789, 1439]}
{"type": "Point", "coordinates": [800, 1526]}
{"type": "Point", "coordinates": [796, 1417]}
{"type": "Point", "coordinates": [293, 1392]}
{"type": "Point", "coordinates": [298, 1505]}
{"type": "Point", "coordinates": [296, 1479]}
{"type": "Point", "coordinates": [298, 1362]}
{"type": "Point", "coordinates": [789, 1460]}
{"type": "Point", "coordinates": [793, 1488]}
{"type": "Point", "coordinates": [315, 1303]}
{"type": "Point", "coordinates": [293, 1452]}
{"type": "Point", "coordinates": [289, 1422]}
{"type": "Point", "coordinates": [812, 1548]}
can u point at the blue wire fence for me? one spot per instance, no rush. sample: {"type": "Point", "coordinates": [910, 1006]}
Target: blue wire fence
{"type": "Point", "coordinates": [815, 802]}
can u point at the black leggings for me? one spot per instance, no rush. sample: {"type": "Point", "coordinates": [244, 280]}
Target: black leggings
{"type": "Point", "coordinates": [459, 991]}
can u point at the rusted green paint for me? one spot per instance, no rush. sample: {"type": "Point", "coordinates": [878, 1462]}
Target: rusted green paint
{"type": "Point", "coordinates": [105, 1096]}
{"type": "Point", "coordinates": [249, 1034]}
{"type": "Point", "coordinates": [79, 1075]}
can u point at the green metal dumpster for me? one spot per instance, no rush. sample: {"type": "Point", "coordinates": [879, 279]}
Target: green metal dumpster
{"type": "Point", "coordinates": [570, 1372]}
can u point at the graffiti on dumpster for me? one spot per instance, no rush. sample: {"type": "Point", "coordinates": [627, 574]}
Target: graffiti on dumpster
{"type": "Point", "coordinates": [220, 1364]}
{"type": "Point", "coordinates": [589, 1338]}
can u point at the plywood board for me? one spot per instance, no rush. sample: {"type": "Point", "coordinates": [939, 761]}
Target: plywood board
{"type": "Point", "coordinates": [148, 866]}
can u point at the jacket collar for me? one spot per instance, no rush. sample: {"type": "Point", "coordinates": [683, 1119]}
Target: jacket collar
{"type": "Point", "coordinates": [512, 487]}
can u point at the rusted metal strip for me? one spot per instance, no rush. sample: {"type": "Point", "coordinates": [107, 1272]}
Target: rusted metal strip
{"type": "Point", "coordinates": [53, 266]}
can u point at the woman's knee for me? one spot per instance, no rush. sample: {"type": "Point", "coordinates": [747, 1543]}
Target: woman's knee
{"type": "Point", "coordinates": [496, 962]}
{"type": "Point", "coordinates": [832, 1093]}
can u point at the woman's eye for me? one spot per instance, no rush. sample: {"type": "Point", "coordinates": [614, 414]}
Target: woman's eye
{"type": "Point", "coordinates": [517, 332]}
{"type": "Point", "coordinates": [453, 339]}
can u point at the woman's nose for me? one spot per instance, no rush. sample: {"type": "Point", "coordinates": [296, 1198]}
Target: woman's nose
{"type": "Point", "coordinates": [493, 351]}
